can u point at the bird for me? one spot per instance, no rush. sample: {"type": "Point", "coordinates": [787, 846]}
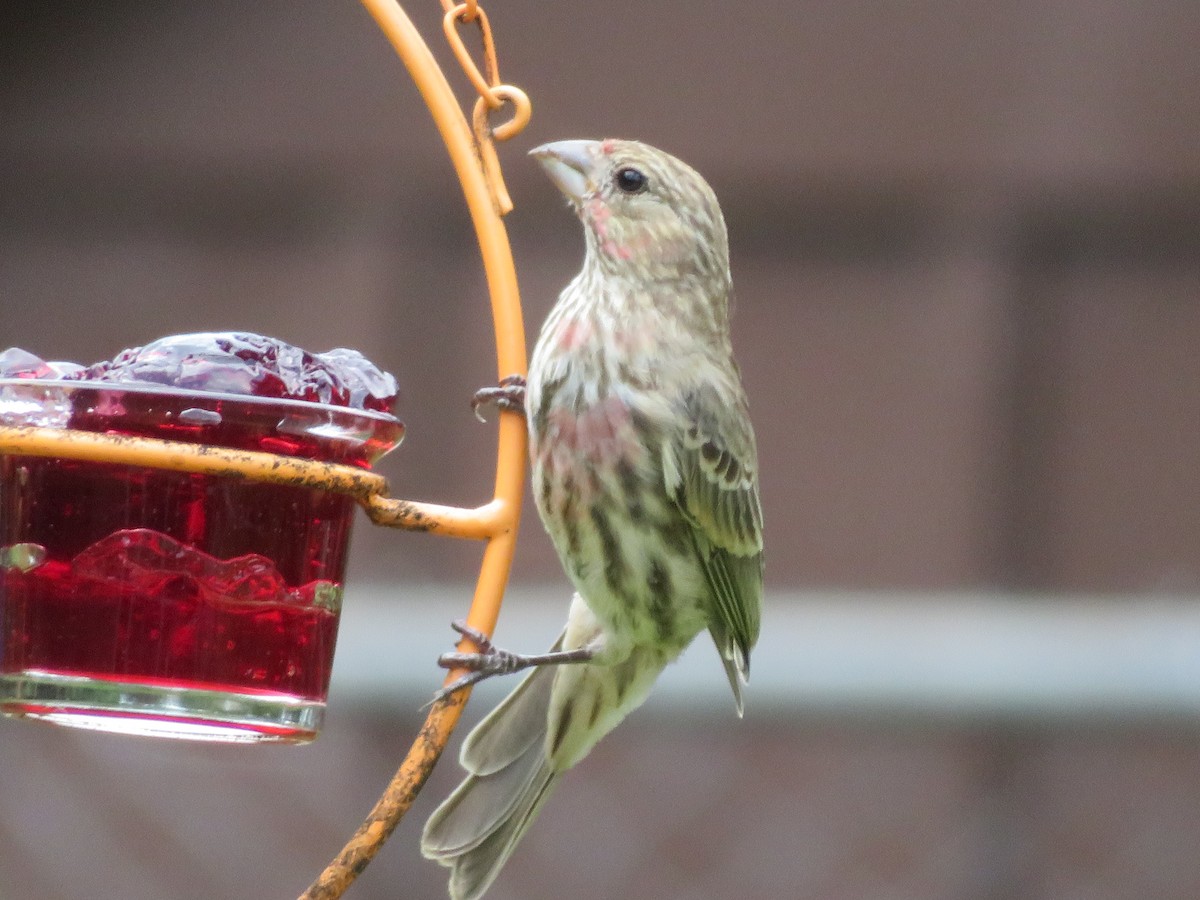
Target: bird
{"type": "Point", "coordinates": [645, 476]}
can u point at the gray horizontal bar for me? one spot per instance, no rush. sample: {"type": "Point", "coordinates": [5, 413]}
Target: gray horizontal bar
{"type": "Point", "coordinates": [837, 653]}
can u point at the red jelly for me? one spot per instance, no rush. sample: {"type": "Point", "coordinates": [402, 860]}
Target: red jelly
{"type": "Point", "coordinates": [180, 604]}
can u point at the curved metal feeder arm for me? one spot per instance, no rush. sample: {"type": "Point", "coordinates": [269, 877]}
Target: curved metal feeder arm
{"type": "Point", "coordinates": [474, 158]}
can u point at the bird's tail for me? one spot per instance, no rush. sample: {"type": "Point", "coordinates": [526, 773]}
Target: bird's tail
{"type": "Point", "coordinates": [476, 829]}
{"type": "Point", "coordinates": [516, 755]}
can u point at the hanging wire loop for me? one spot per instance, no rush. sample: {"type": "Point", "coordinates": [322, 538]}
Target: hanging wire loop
{"type": "Point", "coordinates": [493, 94]}
{"type": "Point", "coordinates": [482, 84]}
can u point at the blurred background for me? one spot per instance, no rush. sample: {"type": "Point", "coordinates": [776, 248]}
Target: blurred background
{"type": "Point", "coordinates": [966, 244]}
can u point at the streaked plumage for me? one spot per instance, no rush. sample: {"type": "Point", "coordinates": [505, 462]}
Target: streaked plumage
{"type": "Point", "coordinates": [645, 476]}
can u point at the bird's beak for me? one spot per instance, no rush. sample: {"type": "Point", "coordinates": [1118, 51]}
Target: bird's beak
{"type": "Point", "coordinates": [569, 165]}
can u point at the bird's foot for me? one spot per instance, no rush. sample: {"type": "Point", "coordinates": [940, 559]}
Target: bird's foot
{"type": "Point", "coordinates": [483, 663]}
{"type": "Point", "coordinates": [508, 396]}
{"type": "Point", "coordinates": [491, 660]}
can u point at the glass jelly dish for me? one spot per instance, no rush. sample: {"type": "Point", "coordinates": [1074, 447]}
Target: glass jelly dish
{"type": "Point", "coordinates": [176, 604]}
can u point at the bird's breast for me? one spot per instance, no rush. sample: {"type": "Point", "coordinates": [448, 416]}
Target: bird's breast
{"type": "Point", "coordinates": [597, 432]}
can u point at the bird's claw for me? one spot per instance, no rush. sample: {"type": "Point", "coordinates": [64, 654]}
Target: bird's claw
{"type": "Point", "coordinates": [482, 641]}
{"type": "Point", "coordinates": [483, 663]}
{"type": "Point", "coordinates": [507, 396]}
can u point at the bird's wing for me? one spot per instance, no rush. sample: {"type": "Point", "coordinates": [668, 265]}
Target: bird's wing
{"type": "Point", "coordinates": [711, 472]}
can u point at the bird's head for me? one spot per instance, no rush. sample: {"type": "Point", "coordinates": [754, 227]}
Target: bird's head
{"type": "Point", "coordinates": [646, 214]}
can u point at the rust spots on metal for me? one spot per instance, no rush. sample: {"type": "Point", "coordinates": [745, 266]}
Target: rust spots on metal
{"type": "Point", "coordinates": [395, 801]}
{"type": "Point", "coordinates": [203, 459]}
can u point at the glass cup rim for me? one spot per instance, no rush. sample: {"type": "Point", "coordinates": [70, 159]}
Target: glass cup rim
{"type": "Point", "coordinates": [166, 390]}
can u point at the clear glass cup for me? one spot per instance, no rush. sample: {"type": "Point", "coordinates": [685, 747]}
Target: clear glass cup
{"type": "Point", "coordinates": [175, 604]}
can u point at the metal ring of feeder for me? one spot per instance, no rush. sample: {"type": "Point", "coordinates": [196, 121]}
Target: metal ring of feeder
{"type": "Point", "coordinates": [369, 488]}
{"type": "Point", "coordinates": [201, 459]}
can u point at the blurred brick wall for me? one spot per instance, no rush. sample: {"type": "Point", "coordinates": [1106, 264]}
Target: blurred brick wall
{"type": "Point", "coordinates": [966, 240]}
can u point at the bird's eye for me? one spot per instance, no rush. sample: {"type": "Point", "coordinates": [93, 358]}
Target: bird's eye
{"type": "Point", "coordinates": [631, 181]}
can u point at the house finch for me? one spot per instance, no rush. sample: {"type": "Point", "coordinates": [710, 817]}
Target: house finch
{"type": "Point", "coordinates": [645, 476]}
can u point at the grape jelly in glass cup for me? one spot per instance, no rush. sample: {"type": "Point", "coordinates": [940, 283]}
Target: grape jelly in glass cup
{"type": "Point", "coordinates": [155, 602]}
